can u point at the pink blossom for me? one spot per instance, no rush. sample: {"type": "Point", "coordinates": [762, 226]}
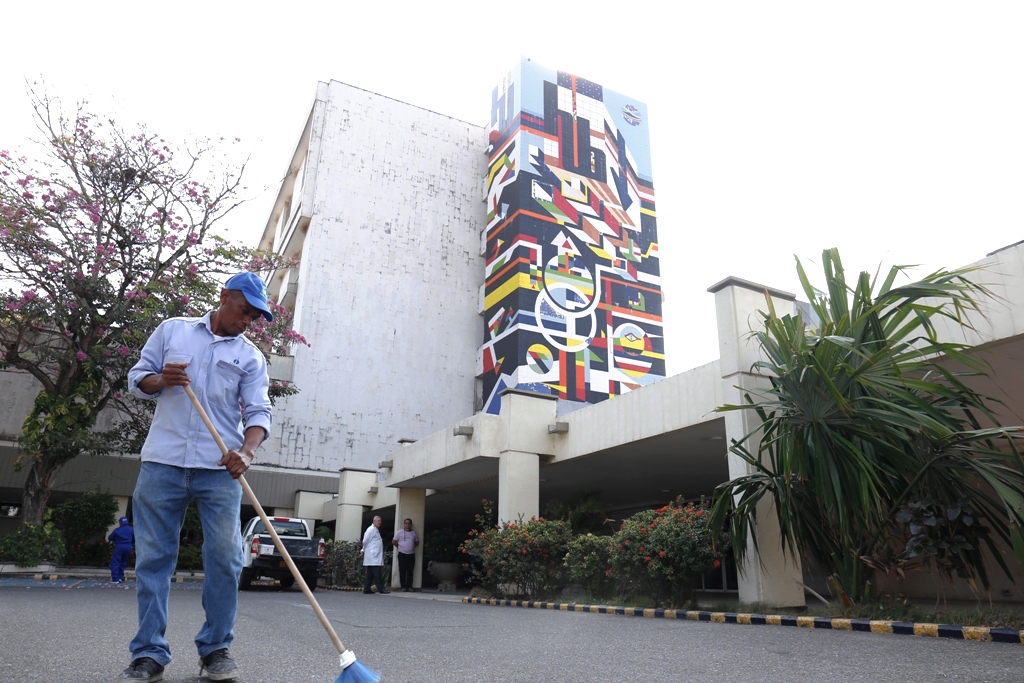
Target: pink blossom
{"type": "Point", "coordinates": [81, 355]}
{"type": "Point", "coordinates": [124, 351]}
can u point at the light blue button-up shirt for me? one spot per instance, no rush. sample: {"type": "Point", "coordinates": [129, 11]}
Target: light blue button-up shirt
{"type": "Point", "coordinates": [225, 373]}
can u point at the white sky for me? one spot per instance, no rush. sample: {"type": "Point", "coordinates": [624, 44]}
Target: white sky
{"type": "Point", "coordinates": [892, 130]}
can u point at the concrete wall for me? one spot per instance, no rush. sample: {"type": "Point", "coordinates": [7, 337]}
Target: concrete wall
{"type": "Point", "coordinates": [388, 285]}
{"type": "Point", "coordinates": [1002, 315]}
{"type": "Point", "coordinates": [18, 390]}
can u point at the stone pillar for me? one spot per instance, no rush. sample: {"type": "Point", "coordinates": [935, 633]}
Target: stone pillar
{"type": "Point", "coordinates": [355, 493]}
{"type": "Point", "coordinates": [412, 503]}
{"type": "Point", "coordinates": [349, 524]}
{"type": "Point", "coordinates": [770, 576]}
{"type": "Point", "coordinates": [526, 417]}
{"type": "Point", "coordinates": [518, 486]}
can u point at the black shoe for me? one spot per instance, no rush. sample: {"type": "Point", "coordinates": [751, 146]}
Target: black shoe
{"type": "Point", "coordinates": [367, 592]}
{"type": "Point", "coordinates": [218, 666]}
{"type": "Point", "coordinates": [383, 592]}
{"type": "Point", "coordinates": [142, 669]}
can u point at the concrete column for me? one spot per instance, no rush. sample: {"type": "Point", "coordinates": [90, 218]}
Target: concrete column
{"type": "Point", "coordinates": [526, 417]}
{"type": "Point", "coordinates": [349, 523]}
{"type": "Point", "coordinates": [412, 503]}
{"type": "Point", "coordinates": [354, 495]}
{"type": "Point", "coordinates": [770, 576]}
{"type": "Point", "coordinates": [518, 486]}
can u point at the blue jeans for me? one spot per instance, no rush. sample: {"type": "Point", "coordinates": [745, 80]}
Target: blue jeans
{"type": "Point", "coordinates": [162, 494]}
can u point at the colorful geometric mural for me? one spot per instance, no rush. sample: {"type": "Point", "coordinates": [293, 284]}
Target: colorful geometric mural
{"type": "Point", "coordinates": [572, 300]}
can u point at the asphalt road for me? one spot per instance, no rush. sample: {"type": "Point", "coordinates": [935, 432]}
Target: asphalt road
{"type": "Point", "coordinates": [77, 632]}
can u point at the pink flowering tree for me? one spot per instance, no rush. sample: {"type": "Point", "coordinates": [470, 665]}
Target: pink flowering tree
{"type": "Point", "coordinates": [103, 236]}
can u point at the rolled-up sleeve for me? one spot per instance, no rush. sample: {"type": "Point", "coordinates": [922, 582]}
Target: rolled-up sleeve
{"type": "Point", "coordinates": [151, 362]}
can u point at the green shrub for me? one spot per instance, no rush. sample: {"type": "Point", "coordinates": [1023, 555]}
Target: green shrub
{"type": "Point", "coordinates": [443, 545]}
{"type": "Point", "coordinates": [190, 558]}
{"type": "Point", "coordinates": [584, 512]}
{"type": "Point", "coordinates": [525, 558]}
{"type": "Point", "coordinates": [342, 565]}
{"type": "Point", "coordinates": [589, 563]}
{"type": "Point", "coordinates": [94, 554]}
{"type": "Point", "coordinates": [663, 553]}
{"type": "Point", "coordinates": [86, 518]}
{"type": "Point", "coordinates": [31, 545]}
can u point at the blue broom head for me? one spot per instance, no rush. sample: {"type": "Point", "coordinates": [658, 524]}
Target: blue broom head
{"type": "Point", "coordinates": [354, 671]}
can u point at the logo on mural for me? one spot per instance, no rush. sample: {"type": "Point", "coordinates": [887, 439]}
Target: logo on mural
{"type": "Point", "coordinates": [632, 115]}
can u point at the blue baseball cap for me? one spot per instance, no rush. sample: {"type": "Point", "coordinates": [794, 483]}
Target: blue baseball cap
{"type": "Point", "coordinates": [122, 521]}
{"type": "Point", "coordinates": [254, 290]}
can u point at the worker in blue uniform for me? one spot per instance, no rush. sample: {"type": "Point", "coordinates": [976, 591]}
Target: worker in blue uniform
{"type": "Point", "coordinates": [123, 538]}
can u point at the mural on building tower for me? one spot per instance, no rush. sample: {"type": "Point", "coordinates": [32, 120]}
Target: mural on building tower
{"type": "Point", "coordinates": [572, 300]}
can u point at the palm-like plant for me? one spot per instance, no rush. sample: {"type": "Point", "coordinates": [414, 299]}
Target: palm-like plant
{"type": "Point", "coordinates": [864, 420]}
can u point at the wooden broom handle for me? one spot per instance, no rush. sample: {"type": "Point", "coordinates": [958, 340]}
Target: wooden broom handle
{"type": "Point", "coordinates": [270, 527]}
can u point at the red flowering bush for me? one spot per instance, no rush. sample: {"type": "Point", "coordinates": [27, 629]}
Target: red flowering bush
{"type": "Point", "coordinates": [519, 558]}
{"type": "Point", "coordinates": [663, 553]}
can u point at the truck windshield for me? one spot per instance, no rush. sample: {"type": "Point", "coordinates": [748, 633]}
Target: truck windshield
{"type": "Point", "coordinates": [282, 528]}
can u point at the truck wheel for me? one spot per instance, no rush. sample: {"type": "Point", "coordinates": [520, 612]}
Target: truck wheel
{"type": "Point", "coordinates": [310, 579]}
{"type": "Point", "coordinates": [287, 581]}
{"type": "Point", "coordinates": [245, 580]}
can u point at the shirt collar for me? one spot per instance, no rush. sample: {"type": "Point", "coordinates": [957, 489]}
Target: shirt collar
{"type": "Point", "coordinates": [205, 321]}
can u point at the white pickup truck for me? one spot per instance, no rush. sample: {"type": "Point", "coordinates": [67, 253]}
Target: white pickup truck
{"type": "Point", "coordinates": [262, 558]}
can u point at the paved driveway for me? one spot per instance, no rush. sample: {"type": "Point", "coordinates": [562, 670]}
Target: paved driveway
{"type": "Point", "coordinates": [77, 632]}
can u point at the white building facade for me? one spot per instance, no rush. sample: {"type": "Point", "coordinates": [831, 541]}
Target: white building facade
{"type": "Point", "coordinates": [382, 205]}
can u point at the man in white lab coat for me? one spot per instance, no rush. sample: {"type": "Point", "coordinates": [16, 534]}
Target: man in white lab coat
{"type": "Point", "coordinates": [373, 557]}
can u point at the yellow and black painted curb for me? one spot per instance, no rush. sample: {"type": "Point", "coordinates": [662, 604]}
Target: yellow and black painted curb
{"type": "Point", "coordinates": [908, 628]}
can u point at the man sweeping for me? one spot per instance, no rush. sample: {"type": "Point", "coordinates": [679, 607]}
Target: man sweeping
{"type": "Point", "coordinates": [181, 462]}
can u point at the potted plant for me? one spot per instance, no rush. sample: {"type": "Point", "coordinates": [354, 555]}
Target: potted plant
{"type": "Point", "coordinates": [443, 556]}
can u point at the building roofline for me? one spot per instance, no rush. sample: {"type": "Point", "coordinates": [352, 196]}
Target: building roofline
{"type": "Point", "coordinates": [733, 281]}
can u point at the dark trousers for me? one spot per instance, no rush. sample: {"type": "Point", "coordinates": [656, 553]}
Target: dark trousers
{"type": "Point", "coordinates": [373, 575]}
{"type": "Point", "coordinates": [406, 563]}
{"type": "Point", "coordinates": [119, 561]}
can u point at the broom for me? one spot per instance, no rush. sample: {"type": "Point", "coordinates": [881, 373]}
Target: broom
{"type": "Point", "coordinates": [352, 670]}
